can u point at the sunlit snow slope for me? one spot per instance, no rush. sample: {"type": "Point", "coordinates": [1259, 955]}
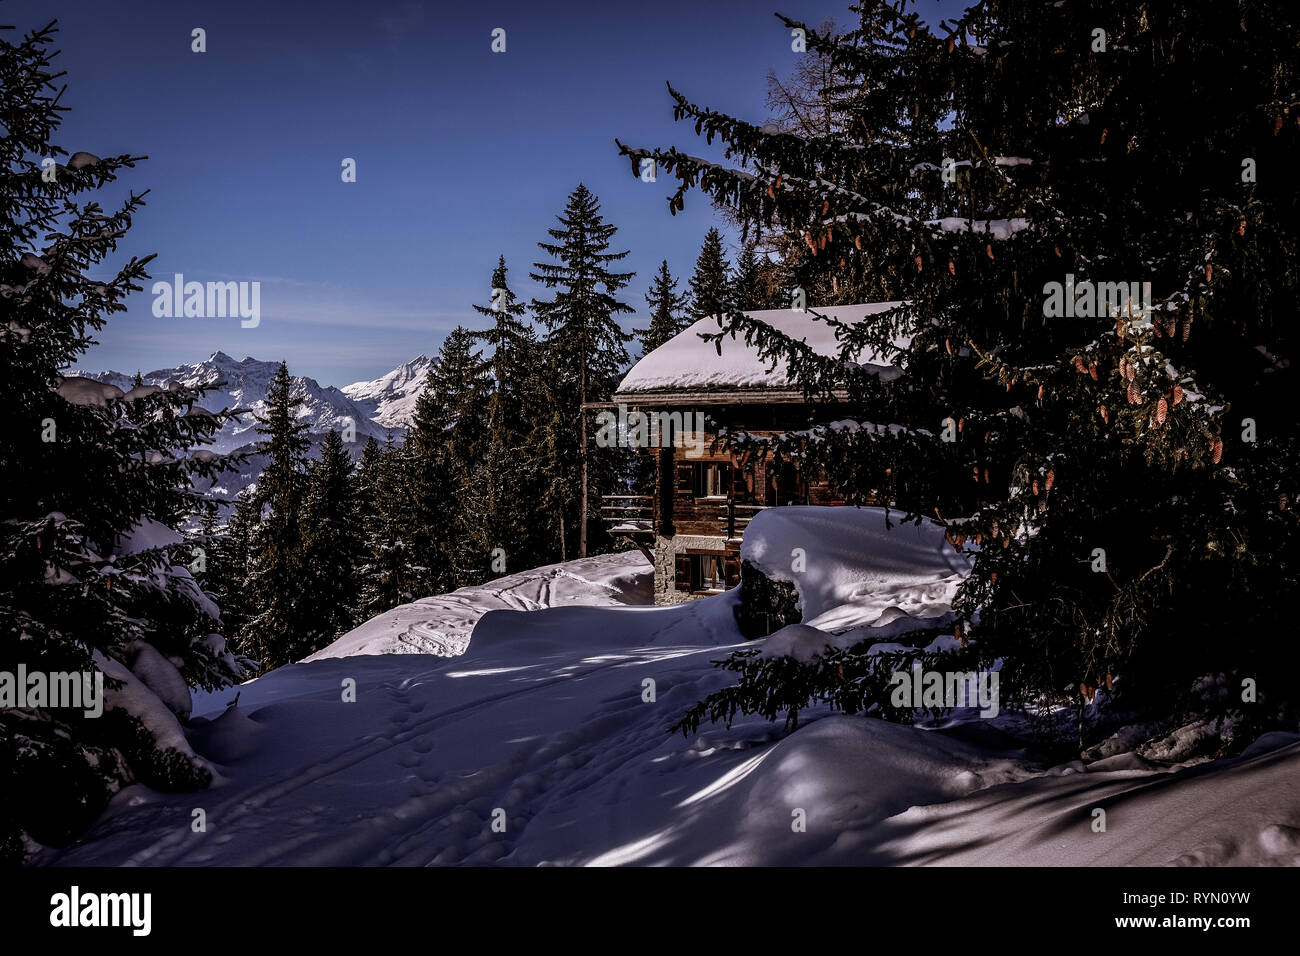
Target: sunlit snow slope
{"type": "Point", "coordinates": [546, 725]}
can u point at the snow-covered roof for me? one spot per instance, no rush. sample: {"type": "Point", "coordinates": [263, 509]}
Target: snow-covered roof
{"type": "Point", "coordinates": [687, 363]}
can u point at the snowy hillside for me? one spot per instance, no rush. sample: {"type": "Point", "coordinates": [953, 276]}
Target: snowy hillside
{"type": "Point", "coordinates": [390, 399]}
{"type": "Point", "coordinates": [552, 724]}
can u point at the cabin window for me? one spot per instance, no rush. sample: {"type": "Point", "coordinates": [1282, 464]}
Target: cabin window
{"type": "Point", "coordinates": [711, 479]}
{"type": "Point", "coordinates": [708, 572]}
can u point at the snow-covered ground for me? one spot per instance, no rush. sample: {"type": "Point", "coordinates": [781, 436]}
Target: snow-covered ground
{"type": "Point", "coordinates": [542, 743]}
{"type": "Point", "coordinates": [442, 624]}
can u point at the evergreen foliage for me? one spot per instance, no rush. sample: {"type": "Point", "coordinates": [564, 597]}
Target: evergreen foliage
{"type": "Point", "coordinates": [978, 173]}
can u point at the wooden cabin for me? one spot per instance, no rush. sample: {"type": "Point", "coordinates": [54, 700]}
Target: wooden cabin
{"type": "Point", "coordinates": [691, 528]}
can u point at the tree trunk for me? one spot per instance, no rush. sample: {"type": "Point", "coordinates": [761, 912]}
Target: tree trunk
{"type": "Point", "coordinates": [582, 445]}
{"type": "Point", "coordinates": [582, 526]}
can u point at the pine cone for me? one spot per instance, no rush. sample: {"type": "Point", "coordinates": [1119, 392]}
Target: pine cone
{"type": "Point", "coordinates": [1187, 328]}
{"type": "Point", "coordinates": [1178, 394]}
{"type": "Point", "coordinates": [1105, 414]}
{"type": "Point", "coordinates": [919, 263]}
{"type": "Point", "coordinates": [952, 267]}
{"type": "Point", "coordinates": [1162, 409]}
{"type": "Point", "coordinates": [1218, 451]}
{"type": "Point", "coordinates": [1051, 480]}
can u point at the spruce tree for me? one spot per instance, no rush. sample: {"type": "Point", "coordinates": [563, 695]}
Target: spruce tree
{"type": "Point", "coordinates": [710, 285]}
{"type": "Point", "coordinates": [273, 633]}
{"type": "Point", "coordinates": [587, 350]}
{"type": "Point", "coordinates": [1120, 471]}
{"type": "Point", "coordinates": [666, 310]}
{"type": "Point", "coordinates": [93, 485]}
{"type": "Point", "coordinates": [230, 562]}
{"type": "Point", "coordinates": [499, 502]}
{"type": "Point", "coordinates": [332, 548]}
{"type": "Point", "coordinates": [756, 284]}
{"type": "Point", "coordinates": [387, 575]}
{"type": "Point", "coordinates": [441, 456]}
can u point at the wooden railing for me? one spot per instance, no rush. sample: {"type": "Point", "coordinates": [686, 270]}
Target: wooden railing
{"type": "Point", "coordinates": [735, 518]}
{"type": "Point", "coordinates": [628, 510]}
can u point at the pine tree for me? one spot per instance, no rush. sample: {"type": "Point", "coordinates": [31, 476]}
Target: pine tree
{"type": "Point", "coordinates": [441, 455]}
{"type": "Point", "coordinates": [756, 284]}
{"type": "Point", "coordinates": [666, 310]}
{"type": "Point", "coordinates": [1121, 471]}
{"type": "Point", "coordinates": [93, 484]}
{"type": "Point", "coordinates": [332, 549]}
{"type": "Point", "coordinates": [273, 634]}
{"type": "Point", "coordinates": [500, 501]}
{"type": "Point", "coordinates": [710, 285]}
{"type": "Point", "coordinates": [386, 574]}
{"type": "Point", "coordinates": [586, 352]}
{"type": "Point", "coordinates": [229, 562]}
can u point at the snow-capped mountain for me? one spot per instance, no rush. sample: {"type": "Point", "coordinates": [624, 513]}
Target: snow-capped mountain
{"type": "Point", "coordinates": [381, 407]}
{"type": "Point", "coordinates": [246, 382]}
{"type": "Point", "coordinates": [390, 400]}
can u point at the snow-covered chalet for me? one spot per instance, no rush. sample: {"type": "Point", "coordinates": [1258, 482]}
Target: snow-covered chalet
{"type": "Point", "coordinates": [692, 527]}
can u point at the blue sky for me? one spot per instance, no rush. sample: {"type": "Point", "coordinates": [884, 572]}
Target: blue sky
{"type": "Point", "coordinates": [462, 154]}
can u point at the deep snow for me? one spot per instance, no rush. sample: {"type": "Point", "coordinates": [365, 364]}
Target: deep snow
{"type": "Point", "coordinates": [687, 362]}
{"type": "Point", "coordinates": [544, 723]}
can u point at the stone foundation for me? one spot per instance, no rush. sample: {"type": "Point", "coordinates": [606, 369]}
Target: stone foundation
{"type": "Point", "coordinates": [666, 551]}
